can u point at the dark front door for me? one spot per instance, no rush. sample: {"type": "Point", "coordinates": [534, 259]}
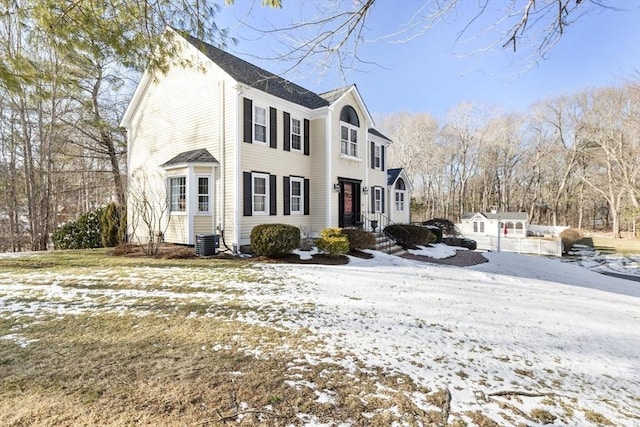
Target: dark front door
{"type": "Point", "coordinates": [349, 203]}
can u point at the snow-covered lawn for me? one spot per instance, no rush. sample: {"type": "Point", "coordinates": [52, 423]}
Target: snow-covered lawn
{"type": "Point", "coordinates": [520, 340]}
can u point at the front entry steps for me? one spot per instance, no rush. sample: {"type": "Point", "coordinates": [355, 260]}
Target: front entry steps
{"type": "Point", "coordinates": [386, 245]}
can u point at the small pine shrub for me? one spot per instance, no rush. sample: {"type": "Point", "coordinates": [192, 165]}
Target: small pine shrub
{"type": "Point", "coordinates": [359, 239]}
{"type": "Point", "coordinates": [409, 235]}
{"type": "Point", "coordinates": [274, 240]}
{"type": "Point", "coordinates": [570, 237]}
{"type": "Point", "coordinates": [83, 233]}
{"type": "Point", "coordinates": [113, 224]}
{"type": "Point", "coordinates": [333, 242]}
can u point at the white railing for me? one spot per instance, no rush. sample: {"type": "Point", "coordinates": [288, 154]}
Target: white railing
{"type": "Point", "coordinates": [528, 245]}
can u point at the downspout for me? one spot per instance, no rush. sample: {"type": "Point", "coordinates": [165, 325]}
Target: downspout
{"type": "Point", "coordinates": [329, 169]}
{"type": "Point", "coordinates": [222, 169]}
{"type": "Point", "coordinates": [238, 176]}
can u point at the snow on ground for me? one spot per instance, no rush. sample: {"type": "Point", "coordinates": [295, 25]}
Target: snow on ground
{"type": "Point", "coordinates": [587, 257]}
{"type": "Point", "coordinates": [518, 323]}
{"type": "Point", "coordinates": [437, 251]}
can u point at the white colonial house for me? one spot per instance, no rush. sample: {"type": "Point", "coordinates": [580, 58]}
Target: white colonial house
{"type": "Point", "coordinates": [218, 145]}
{"type": "Point", "coordinates": [510, 224]}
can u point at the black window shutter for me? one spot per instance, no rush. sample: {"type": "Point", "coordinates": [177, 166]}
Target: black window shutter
{"type": "Point", "coordinates": [373, 155]}
{"type": "Point", "coordinates": [273, 128]}
{"type": "Point", "coordinates": [287, 197]}
{"type": "Point", "coordinates": [306, 197]}
{"type": "Point", "coordinates": [272, 195]}
{"type": "Point", "coordinates": [246, 194]}
{"type": "Point", "coordinates": [373, 199]}
{"type": "Point", "coordinates": [306, 137]}
{"type": "Point", "coordinates": [287, 131]}
{"type": "Point", "coordinates": [382, 156]}
{"type": "Point", "coordinates": [248, 120]}
{"type": "Point", "coordinates": [382, 191]}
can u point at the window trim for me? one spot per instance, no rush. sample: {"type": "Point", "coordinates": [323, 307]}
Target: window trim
{"type": "Point", "coordinates": [400, 204]}
{"type": "Point", "coordinates": [254, 123]}
{"type": "Point", "coordinates": [300, 135]}
{"type": "Point", "coordinates": [198, 194]}
{"type": "Point", "coordinates": [181, 202]}
{"type": "Point", "coordinates": [264, 176]}
{"type": "Point", "coordinates": [377, 156]}
{"type": "Point", "coordinates": [377, 200]}
{"type": "Point", "coordinates": [301, 196]}
{"type": "Point", "coordinates": [350, 144]}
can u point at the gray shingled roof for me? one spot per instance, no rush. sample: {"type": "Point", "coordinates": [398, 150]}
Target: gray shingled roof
{"type": "Point", "coordinates": [373, 131]}
{"type": "Point", "coordinates": [251, 75]}
{"type": "Point", "coordinates": [392, 175]}
{"type": "Point", "coordinates": [200, 155]}
{"type": "Point", "coordinates": [519, 216]}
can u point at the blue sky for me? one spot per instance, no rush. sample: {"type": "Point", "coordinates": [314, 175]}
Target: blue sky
{"type": "Point", "coordinates": [436, 71]}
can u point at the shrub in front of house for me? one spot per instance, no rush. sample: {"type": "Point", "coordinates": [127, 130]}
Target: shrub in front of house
{"type": "Point", "coordinates": [274, 240]}
{"type": "Point", "coordinates": [83, 233]}
{"type": "Point", "coordinates": [570, 237]}
{"type": "Point", "coordinates": [448, 227]}
{"type": "Point", "coordinates": [461, 242]}
{"type": "Point", "coordinates": [409, 235]}
{"type": "Point", "coordinates": [359, 239]}
{"type": "Point", "coordinates": [333, 242]}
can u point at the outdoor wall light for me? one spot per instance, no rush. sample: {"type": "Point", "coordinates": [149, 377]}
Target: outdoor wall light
{"type": "Point", "coordinates": [365, 190]}
{"type": "Point", "coordinates": [336, 187]}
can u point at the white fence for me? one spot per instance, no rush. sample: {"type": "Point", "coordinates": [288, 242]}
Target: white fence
{"type": "Point", "coordinates": [529, 245]}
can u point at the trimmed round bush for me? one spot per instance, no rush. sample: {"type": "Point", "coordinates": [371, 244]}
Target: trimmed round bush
{"type": "Point", "coordinates": [461, 242]}
{"type": "Point", "coordinates": [409, 235]}
{"type": "Point", "coordinates": [570, 237]}
{"type": "Point", "coordinates": [359, 239]}
{"type": "Point", "coordinates": [274, 240]}
{"type": "Point", "coordinates": [333, 242]}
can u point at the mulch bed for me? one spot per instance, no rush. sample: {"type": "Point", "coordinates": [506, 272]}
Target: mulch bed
{"type": "Point", "coordinates": [460, 259]}
{"type": "Point", "coordinates": [169, 251]}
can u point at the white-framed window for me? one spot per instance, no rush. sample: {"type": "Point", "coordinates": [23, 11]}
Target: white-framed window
{"type": "Point", "coordinates": [296, 134]}
{"type": "Point", "coordinates": [400, 201]}
{"type": "Point", "coordinates": [178, 194]}
{"type": "Point", "coordinates": [377, 199]}
{"type": "Point", "coordinates": [204, 193]}
{"type": "Point", "coordinates": [260, 193]}
{"type": "Point", "coordinates": [259, 124]}
{"type": "Point", "coordinates": [377, 156]}
{"type": "Point", "coordinates": [478, 226]}
{"type": "Point", "coordinates": [400, 192]}
{"type": "Point", "coordinates": [348, 140]}
{"type": "Point", "coordinates": [296, 186]}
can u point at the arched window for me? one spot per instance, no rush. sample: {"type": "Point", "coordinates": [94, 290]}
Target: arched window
{"type": "Point", "coordinates": [400, 195]}
{"type": "Point", "coordinates": [349, 115]}
{"type": "Point", "coordinates": [519, 228]}
{"type": "Point", "coordinates": [349, 125]}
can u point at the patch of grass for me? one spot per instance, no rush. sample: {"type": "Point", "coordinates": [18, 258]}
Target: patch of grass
{"type": "Point", "coordinates": [597, 418]}
{"type": "Point", "coordinates": [542, 416]}
{"type": "Point", "coordinates": [609, 245]}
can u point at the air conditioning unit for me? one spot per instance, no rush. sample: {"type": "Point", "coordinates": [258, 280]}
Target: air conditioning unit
{"type": "Point", "coordinates": [207, 244]}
